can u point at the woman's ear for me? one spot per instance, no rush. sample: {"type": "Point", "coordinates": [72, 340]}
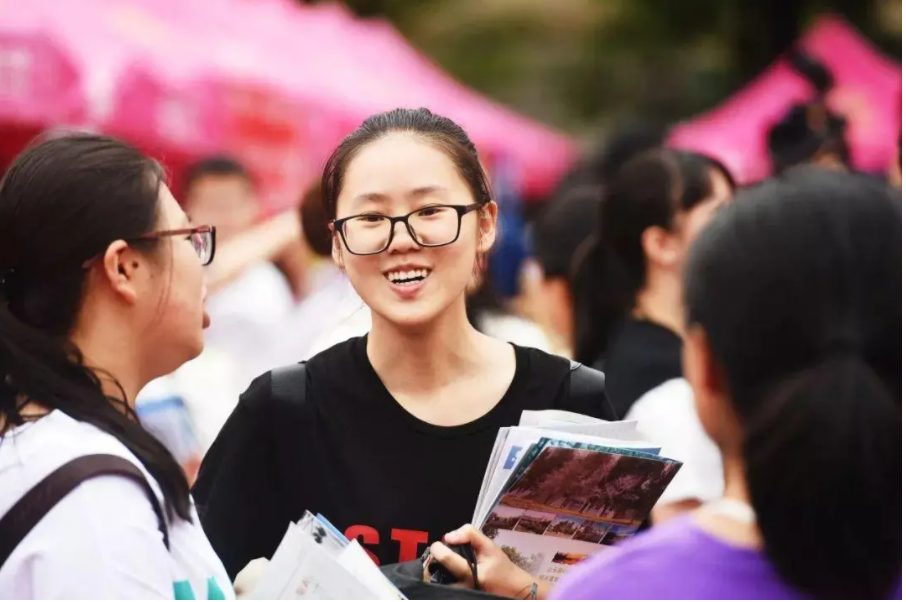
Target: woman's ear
{"type": "Point", "coordinates": [487, 227]}
{"type": "Point", "coordinates": [336, 251]}
{"type": "Point", "coordinates": [661, 246]}
{"type": "Point", "coordinates": [120, 266]}
{"type": "Point", "coordinates": [709, 385]}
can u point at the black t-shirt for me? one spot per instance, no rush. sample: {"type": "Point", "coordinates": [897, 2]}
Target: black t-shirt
{"type": "Point", "coordinates": [641, 356]}
{"type": "Point", "coordinates": [353, 454]}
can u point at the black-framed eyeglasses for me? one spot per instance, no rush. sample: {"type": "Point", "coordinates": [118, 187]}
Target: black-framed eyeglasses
{"type": "Point", "coordinates": [203, 238]}
{"type": "Point", "coordinates": [430, 226]}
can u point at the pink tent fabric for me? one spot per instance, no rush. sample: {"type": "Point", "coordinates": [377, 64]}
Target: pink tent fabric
{"type": "Point", "coordinates": [40, 82]}
{"type": "Point", "coordinates": [202, 89]}
{"type": "Point", "coordinates": [868, 92]}
{"type": "Point", "coordinates": [272, 82]}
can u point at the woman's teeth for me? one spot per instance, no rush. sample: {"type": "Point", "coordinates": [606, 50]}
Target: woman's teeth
{"type": "Point", "coordinates": [402, 277]}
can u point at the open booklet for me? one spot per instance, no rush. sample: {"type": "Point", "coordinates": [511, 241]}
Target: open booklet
{"type": "Point", "coordinates": [560, 487]}
{"type": "Point", "coordinates": [316, 562]}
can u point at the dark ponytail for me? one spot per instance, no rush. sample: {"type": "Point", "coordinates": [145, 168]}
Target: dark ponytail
{"type": "Point", "coordinates": [62, 202]}
{"type": "Point", "coordinates": [610, 272]}
{"type": "Point", "coordinates": [818, 448]}
{"type": "Point", "coordinates": [604, 291]}
{"type": "Point", "coordinates": [797, 286]}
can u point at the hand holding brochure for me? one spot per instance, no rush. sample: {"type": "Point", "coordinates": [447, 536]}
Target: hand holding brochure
{"type": "Point", "coordinates": [554, 494]}
{"type": "Point", "coordinates": [316, 562]}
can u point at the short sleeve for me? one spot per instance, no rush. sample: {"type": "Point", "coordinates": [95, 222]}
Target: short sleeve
{"type": "Point", "coordinates": [100, 542]}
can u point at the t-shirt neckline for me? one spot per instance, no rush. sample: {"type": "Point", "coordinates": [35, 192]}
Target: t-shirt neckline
{"type": "Point", "coordinates": [373, 381]}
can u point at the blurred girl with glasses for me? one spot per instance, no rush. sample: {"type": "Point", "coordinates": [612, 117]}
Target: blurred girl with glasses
{"type": "Point", "coordinates": [392, 434]}
{"type": "Point", "coordinates": [101, 291]}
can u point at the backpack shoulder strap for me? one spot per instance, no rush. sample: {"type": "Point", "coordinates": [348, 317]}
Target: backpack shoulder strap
{"type": "Point", "coordinates": [587, 386]}
{"type": "Point", "coordinates": [288, 384]}
{"type": "Point", "coordinates": [26, 513]}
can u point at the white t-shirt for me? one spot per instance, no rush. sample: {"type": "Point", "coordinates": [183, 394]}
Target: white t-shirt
{"type": "Point", "coordinates": [514, 329]}
{"type": "Point", "coordinates": [331, 314]}
{"type": "Point", "coordinates": [245, 316]}
{"type": "Point", "coordinates": [209, 386]}
{"type": "Point", "coordinates": [667, 416]}
{"type": "Point", "coordinates": [102, 540]}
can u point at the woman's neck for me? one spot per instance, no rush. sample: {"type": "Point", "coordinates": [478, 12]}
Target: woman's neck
{"type": "Point", "coordinates": [661, 302]}
{"type": "Point", "coordinates": [109, 364]}
{"type": "Point", "coordinates": [420, 360]}
{"type": "Point", "coordinates": [736, 532]}
{"type": "Point", "coordinates": [114, 364]}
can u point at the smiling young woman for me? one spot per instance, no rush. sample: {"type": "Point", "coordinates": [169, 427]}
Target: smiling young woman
{"type": "Point", "coordinates": [393, 437]}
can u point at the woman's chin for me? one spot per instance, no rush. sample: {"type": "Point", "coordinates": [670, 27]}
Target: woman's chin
{"type": "Point", "coordinates": [410, 316]}
{"type": "Point", "coordinates": [193, 349]}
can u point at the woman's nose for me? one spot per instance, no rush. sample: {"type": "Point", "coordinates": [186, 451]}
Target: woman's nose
{"type": "Point", "coordinates": [401, 239]}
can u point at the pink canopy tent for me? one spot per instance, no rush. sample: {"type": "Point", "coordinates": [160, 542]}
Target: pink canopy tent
{"type": "Point", "coordinates": [867, 92]}
{"type": "Point", "coordinates": [199, 90]}
{"type": "Point", "coordinates": [272, 82]}
{"type": "Point", "coordinates": [107, 65]}
{"type": "Point", "coordinates": [40, 81]}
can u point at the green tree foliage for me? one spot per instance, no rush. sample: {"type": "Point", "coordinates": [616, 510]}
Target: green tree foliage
{"type": "Point", "coordinates": [584, 64]}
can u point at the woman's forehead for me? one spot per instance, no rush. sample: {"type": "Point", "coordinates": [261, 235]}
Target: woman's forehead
{"type": "Point", "coordinates": [171, 214]}
{"type": "Point", "coordinates": [398, 164]}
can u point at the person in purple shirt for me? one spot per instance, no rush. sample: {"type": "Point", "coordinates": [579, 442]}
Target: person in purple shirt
{"type": "Point", "coordinates": [793, 349]}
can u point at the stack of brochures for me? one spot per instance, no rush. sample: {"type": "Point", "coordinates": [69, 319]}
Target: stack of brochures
{"type": "Point", "coordinates": [560, 487]}
{"type": "Point", "coordinates": [316, 562]}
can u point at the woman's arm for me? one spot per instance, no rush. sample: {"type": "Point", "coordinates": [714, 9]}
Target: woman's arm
{"type": "Point", "coordinates": [263, 242]}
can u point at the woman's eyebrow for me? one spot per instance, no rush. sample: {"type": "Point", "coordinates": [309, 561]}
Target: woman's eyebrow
{"type": "Point", "coordinates": [371, 196]}
{"type": "Point", "coordinates": [427, 191]}
{"type": "Point", "coordinates": [415, 193]}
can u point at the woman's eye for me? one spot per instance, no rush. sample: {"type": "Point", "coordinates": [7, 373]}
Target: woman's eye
{"type": "Point", "coordinates": [429, 211]}
{"type": "Point", "coordinates": [370, 218]}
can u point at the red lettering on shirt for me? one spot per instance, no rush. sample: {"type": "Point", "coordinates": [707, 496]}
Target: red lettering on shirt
{"type": "Point", "coordinates": [409, 541]}
{"type": "Point", "coordinates": [366, 536]}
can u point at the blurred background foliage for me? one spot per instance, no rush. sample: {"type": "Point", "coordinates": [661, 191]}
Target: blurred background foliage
{"type": "Point", "coordinates": [583, 65]}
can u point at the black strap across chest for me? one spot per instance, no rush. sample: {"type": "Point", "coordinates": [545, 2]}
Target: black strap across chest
{"type": "Point", "coordinates": [26, 513]}
{"type": "Point", "coordinates": [288, 384]}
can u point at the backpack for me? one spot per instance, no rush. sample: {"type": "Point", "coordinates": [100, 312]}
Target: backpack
{"type": "Point", "coordinates": [28, 511]}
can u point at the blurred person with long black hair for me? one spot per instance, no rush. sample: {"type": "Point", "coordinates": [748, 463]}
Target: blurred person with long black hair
{"type": "Point", "coordinates": [629, 308]}
{"type": "Point", "coordinates": [101, 291]}
{"type": "Point", "coordinates": [630, 317]}
{"type": "Point", "coordinates": [564, 228]}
